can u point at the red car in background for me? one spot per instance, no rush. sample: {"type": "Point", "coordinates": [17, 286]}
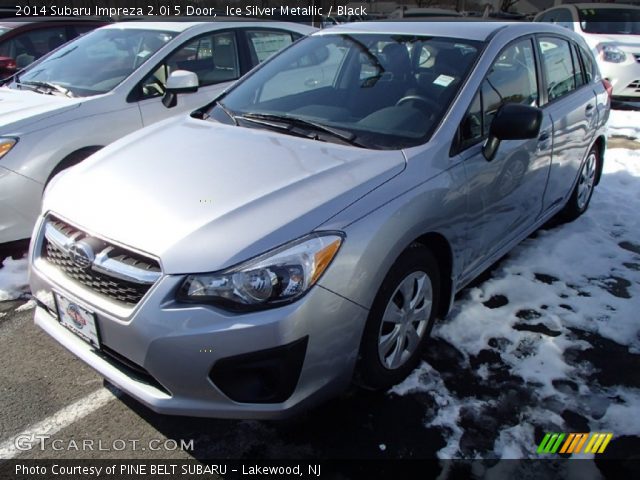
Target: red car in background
{"type": "Point", "coordinates": [22, 42]}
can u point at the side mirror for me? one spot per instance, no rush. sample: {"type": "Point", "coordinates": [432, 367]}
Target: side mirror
{"type": "Point", "coordinates": [180, 81]}
{"type": "Point", "coordinates": [512, 122]}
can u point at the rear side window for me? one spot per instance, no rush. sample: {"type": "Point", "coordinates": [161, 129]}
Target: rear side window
{"type": "Point", "coordinates": [213, 57]}
{"type": "Point", "coordinates": [577, 65]}
{"type": "Point", "coordinates": [587, 61]}
{"type": "Point", "coordinates": [558, 64]}
{"type": "Point", "coordinates": [511, 79]}
{"type": "Point", "coordinates": [264, 43]}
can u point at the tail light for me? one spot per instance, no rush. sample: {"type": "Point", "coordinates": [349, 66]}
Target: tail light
{"type": "Point", "coordinates": [608, 87]}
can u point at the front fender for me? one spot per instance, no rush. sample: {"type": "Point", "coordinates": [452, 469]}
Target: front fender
{"type": "Point", "coordinates": [376, 240]}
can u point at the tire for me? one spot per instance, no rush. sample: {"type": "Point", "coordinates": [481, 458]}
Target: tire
{"type": "Point", "coordinates": [390, 350]}
{"type": "Point", "coordinates": [583, 191]}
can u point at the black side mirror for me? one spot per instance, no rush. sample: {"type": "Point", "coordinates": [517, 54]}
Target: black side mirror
{"type": "Point", "coordinates": [512, 122]}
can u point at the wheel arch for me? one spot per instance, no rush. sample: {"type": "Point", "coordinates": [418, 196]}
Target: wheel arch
{"type": "Point", "coordinates": [441, 249]}
{"type": "Point", "coordinates": [72, 159]}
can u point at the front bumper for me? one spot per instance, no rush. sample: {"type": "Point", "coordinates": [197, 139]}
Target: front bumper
{"type": "Point", "coordinates": [177, 345]}
{"type": "Point", "coordinates": [19, 205]}
{"type": "Point", "coordinates": [624, 77]}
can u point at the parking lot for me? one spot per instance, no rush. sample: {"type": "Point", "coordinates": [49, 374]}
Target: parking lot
{"type": "Point", "coordinates": [547, 340]}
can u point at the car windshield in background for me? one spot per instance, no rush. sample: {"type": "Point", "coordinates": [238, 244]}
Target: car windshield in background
{"type": "Point", "coordinates": [613, 21]}
{"type": "Point", "coordinates": [94, 63]}
{"type": "Point", "coordinates": [377, 91]}
{"type": "Point", "coordinates": [4, 30]}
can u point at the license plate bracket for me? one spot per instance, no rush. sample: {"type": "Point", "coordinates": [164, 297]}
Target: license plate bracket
{"type": "Point", "coordinates": [78, 319]}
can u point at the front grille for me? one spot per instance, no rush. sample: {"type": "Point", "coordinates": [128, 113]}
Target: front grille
{"type": "Point", "coordinates": [635, 85]}
{"type": "Point", "coordinates": [96, 278]}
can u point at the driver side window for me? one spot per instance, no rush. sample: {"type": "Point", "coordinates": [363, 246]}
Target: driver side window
{"type": "Point", "coordinates": [511, 79]}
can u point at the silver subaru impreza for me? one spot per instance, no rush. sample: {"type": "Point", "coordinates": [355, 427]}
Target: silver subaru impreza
{"type": "Point", "coordinates": [305, 229]}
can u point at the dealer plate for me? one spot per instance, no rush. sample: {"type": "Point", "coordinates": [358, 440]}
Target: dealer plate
{"type": "Point", "coordinates": [78, 319]}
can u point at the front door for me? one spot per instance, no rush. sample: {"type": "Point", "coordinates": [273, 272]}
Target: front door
{"type": "Point", "coordinates": [504, 194]}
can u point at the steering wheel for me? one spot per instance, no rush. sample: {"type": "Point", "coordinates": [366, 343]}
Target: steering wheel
{"type": "Point", "coordinates": [419, 98]}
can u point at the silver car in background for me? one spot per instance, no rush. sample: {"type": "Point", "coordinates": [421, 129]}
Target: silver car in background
{"type": "Point", "coordinates": [307, 228]}
{"type": "Point", "coordinates": [107, 84]}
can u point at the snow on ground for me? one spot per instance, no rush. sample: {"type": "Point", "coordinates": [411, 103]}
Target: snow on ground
{"type": "Point", "coordinates": [625, 123]}
{"type": "Point", "coordinates": [13, 278]}
{"type": "Point", "coordinates": [551, 342]}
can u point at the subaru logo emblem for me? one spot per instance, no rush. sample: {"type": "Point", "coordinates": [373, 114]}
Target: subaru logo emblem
{"type": "Point", "coordinates": [82, 254]}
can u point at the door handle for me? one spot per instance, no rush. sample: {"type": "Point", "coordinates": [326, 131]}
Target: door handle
{"type": "Point", "coordinates": [544, 136]}
{"type": "Point", "coordinates": [589, 109]}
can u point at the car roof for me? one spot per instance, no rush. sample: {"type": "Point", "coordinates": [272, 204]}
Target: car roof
{"type": "Point", "coordinates": [44, 22]}
{"type": "Point", "coordinates": [181, 24]}
{"type": "Point", "coordinates": [471, 30]}
{"type": "Point", "coordinates": [428, 11]}
{"type": "Point", "coordinates": [164, 26]}
{"type": "Point", "coordinates": [597, 6]}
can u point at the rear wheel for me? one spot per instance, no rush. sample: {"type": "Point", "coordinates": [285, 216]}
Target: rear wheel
{"type": "Point", "coordinates": [400, 320]}
{"type": "Point", "coordinates": [581, 195]}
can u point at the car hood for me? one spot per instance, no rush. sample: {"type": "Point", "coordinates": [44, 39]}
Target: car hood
{"type": "Point", "coordinates": [203, 196]}
{"type": "Point", "coordinates": [25, 105]}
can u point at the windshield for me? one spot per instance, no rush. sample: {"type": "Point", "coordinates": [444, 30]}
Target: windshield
{"type": "Point", "coordinates": [381, 91]}
{"type": "Point", "coordinates": [613, 21]}
{"type": "Point", "coordinates": [96, 62]}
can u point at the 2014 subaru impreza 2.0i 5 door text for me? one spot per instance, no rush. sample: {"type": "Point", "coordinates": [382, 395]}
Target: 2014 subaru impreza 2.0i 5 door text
{"type": "Point", "coordinates": [304, 230]}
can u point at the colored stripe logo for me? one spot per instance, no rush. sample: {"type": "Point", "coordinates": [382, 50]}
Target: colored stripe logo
{"type": "Point", "coordinates": [574, 442]}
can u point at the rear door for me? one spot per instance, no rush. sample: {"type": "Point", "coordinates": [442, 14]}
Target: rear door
{"type": "Point", "coordinates": [570, 102]}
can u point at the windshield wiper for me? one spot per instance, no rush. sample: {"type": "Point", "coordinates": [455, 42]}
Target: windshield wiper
{"type": "Point", "coordinates": [50, 86]}
{"type": "Point", "coordinates": [268, 118]}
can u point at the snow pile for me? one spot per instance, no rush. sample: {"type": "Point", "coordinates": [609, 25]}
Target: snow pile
{"type": "Point", "coordinates": [625, 123]}
{"type": "Point", "coordinates": [13, 278]}
{"type": "Point", "coordinates": [516, 356]}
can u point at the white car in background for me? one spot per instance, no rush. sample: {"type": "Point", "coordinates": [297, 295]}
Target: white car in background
{"type": "Point", "coordinates": [612, 31]}
{"type": "Point", "coordinates": [107, 84]}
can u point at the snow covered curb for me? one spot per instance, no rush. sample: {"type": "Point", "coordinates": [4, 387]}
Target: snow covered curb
{"type": "Point", "coordinates": [625, 123]}
{"type": "Point", "coordinates": [13, 278]}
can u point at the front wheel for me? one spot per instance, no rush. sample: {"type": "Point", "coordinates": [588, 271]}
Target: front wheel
{"type": "Point", "coordinates": [582, 192]}
{"type": "Point", "coordinates": [400, 320]}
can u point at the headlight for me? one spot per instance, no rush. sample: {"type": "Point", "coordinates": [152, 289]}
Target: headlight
{"type": "Point", "coordinates": [6, 144]}
{"type": "Point", "coordinates": [276, 277]}
{"type": "Point", "coordinates": [612, 54]}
